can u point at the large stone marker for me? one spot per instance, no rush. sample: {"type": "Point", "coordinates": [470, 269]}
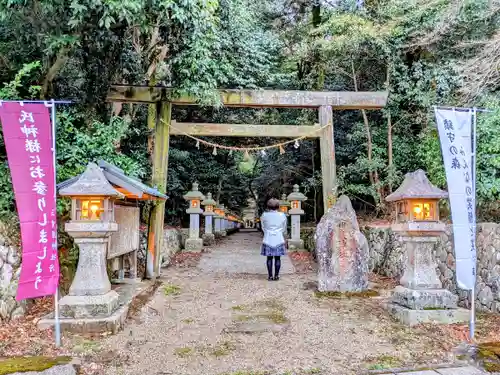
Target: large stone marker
{"type": "Point", "coordinates": [342, 250]}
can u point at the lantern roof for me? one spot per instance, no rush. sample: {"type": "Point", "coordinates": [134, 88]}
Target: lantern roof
{"type": "Point", "coordinates": [416, 185]}
{"type": "Point", "coordinates": [283, 201]}
{"type": "Point", "coordinates": [209, 201]}
{"type": "Point", "coordinates": [129, 186]}
{"type": "Point", "coordinates": [194, 193]}
{"type": "Point", "coordinates": [296, 195]}
{"type": "Point", "coordinates": [92, 182]}
{"type": "Point", "coordinates": [232, 216]}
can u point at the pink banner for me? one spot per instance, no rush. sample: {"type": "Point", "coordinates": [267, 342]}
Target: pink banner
{"type": "Point", "coordinates": [28, 138]}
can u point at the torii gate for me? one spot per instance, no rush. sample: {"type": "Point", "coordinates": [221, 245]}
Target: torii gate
{"type": "Point", "coordinates": [163, 98]}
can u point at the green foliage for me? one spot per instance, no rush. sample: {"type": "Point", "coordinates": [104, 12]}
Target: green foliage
{"type": "Point", "coordinates": [416, 50]}
{"type": "Point", "coordinates": [488, 153]}
{"type": "Point", "coordinates": [429, 152]}
{"type": "Point", "coordinates": [80, 141]}
{"type": "Point", "coordinates": [12, 89]}
{"type": "Point", "coordinates": [218, 174]}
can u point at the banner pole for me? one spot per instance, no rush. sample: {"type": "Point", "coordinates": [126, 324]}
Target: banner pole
{"type": "Point", "coordinates": [57, 323]}
{"type": "Point", "coordinates": [472, 327]}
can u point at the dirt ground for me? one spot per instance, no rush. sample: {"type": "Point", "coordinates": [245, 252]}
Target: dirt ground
{"type": "Point", "coordinates": [199, 322]}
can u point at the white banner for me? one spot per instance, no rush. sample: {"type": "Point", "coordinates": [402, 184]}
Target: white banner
{"type": "Point", "coordinates": [455, 134]}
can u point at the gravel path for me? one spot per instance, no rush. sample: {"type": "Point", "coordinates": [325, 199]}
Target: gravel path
{"type": "Point", "coordinates": [241, 255]}
{"type": "Point", "coordinates": [204, 321]}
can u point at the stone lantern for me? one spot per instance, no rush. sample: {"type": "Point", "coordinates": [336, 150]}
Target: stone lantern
{"type": "Point", "coordinates": [421, 298]}
{"type": "Point", "coordinates": [209, 204]}
{"type": "Point", "coordinates": [217, 221]}
{"type": "Point", "coordinates": [296, 198]}
{"type": "Point", "coordinates": [221, 212]}
{"type": "Point", "coordinates": [284, 205]}
{"type": "Point", "coordinates": [194, 198]}
{"type": "Point", "coordinates": [231, 221]}
{"type": "Point", "coordinates": [92, 222]}
{"type": "Point", "coordinates": [225, 221]}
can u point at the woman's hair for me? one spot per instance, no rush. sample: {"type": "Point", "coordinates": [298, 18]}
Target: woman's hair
{"type": "Point", "coordinates": [273, 204]}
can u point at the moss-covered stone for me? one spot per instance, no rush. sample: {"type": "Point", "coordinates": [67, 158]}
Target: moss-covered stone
{"type": "Point", "coordinates": [491, 348]}
{"type": "Point", "coordinates": [364, 294]}
{"type": "Point", "coordinates": [242, 318]}
{"type": "Point", "coordinates": [489, 355]}
{"type": "Point", "coordinates": [183, 352]}
{"type": "Point", "coordinates": [384, 362]}
{"type": "Point", "coordinates": [171, 290]}
{"type": "Point", "coordinates": [222, 349]}
{"type": "Point", "coordinates": [276, 316]}
{"type": "Point", "coordinates": [25, 364]}
{"type": "Point", "coordinates": [268, 309]}
{"type": "Point", "coordinates": [492, 367]}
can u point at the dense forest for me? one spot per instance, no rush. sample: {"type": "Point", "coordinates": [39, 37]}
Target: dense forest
{"type": "Point", "coordinates": [424, 52]}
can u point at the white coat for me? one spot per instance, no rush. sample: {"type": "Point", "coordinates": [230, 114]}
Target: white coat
{"type": "Point", "coordinates": [274, 225]}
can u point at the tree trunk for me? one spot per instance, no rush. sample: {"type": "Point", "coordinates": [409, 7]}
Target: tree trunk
{"type": "Point", "coordinates": [372, 174]}
{"type": "Point", "coordinates": [389, 146]}
{"type": "Point", "coordinates": [61, 59]}
{"type": "Point", "coordinates": [219, 190]}
{"type": "Point", "coordinates": [221, 180]}
{"type": "Point", "coordinates": [369, 144]}
{"type": "Point", "coordinates": [250, 188]}
{"type": "Point", "coordinates": [316, 14]}
{"type": "Point", "coordinates": [389, 130]}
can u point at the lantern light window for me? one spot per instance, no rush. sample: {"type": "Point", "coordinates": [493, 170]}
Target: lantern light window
{"type": "Point", "coordinates": [423, 211]}
{"type": "Point", "coordinates": [93, 209]}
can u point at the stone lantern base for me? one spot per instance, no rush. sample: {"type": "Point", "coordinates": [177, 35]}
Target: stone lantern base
{"type": "Point", "coordinates": [88, 306]}
{"type": "Point", "coordinates": [296, 245]}
{"type": "Point", "coordinates": [413, 307]}
{"type": "Point", "coordinates": [104, 313]}
{"type": "Point", "coordinates": [420, 297]}
{"type": "Point", "coordinates": [208, 239]}
{"type": "Point", "coordinates": [193, 244]}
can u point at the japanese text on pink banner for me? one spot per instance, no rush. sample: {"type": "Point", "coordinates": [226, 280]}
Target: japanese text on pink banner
{"type": "Point", "coordinates": [28, 139]}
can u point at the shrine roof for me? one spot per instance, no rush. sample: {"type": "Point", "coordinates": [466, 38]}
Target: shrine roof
{"type": "Point", "coordinates": [129, 186]}
{"type": "Point", "coordinates": [416, 185]}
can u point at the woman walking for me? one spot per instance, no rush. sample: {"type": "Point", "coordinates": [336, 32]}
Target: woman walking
{"type": "Point", "coordinates": [274, 225]}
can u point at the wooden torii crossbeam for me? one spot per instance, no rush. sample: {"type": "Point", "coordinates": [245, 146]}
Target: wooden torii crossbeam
{"type": "Point", "coordinates": [164, 97]}
{"type": "Point", "coordinates": [255, 98]}
{"type": "Point", "coordinates": [244, 130]}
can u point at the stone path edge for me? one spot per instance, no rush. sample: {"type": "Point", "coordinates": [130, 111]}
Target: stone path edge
{"type": "Point", "coordinates": [128, 293]}
{"type": "Point", "coordinates": [409, 370]}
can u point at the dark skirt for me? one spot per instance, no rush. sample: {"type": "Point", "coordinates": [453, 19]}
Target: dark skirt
{"type": "Point", "coordinates": [270, 251]}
